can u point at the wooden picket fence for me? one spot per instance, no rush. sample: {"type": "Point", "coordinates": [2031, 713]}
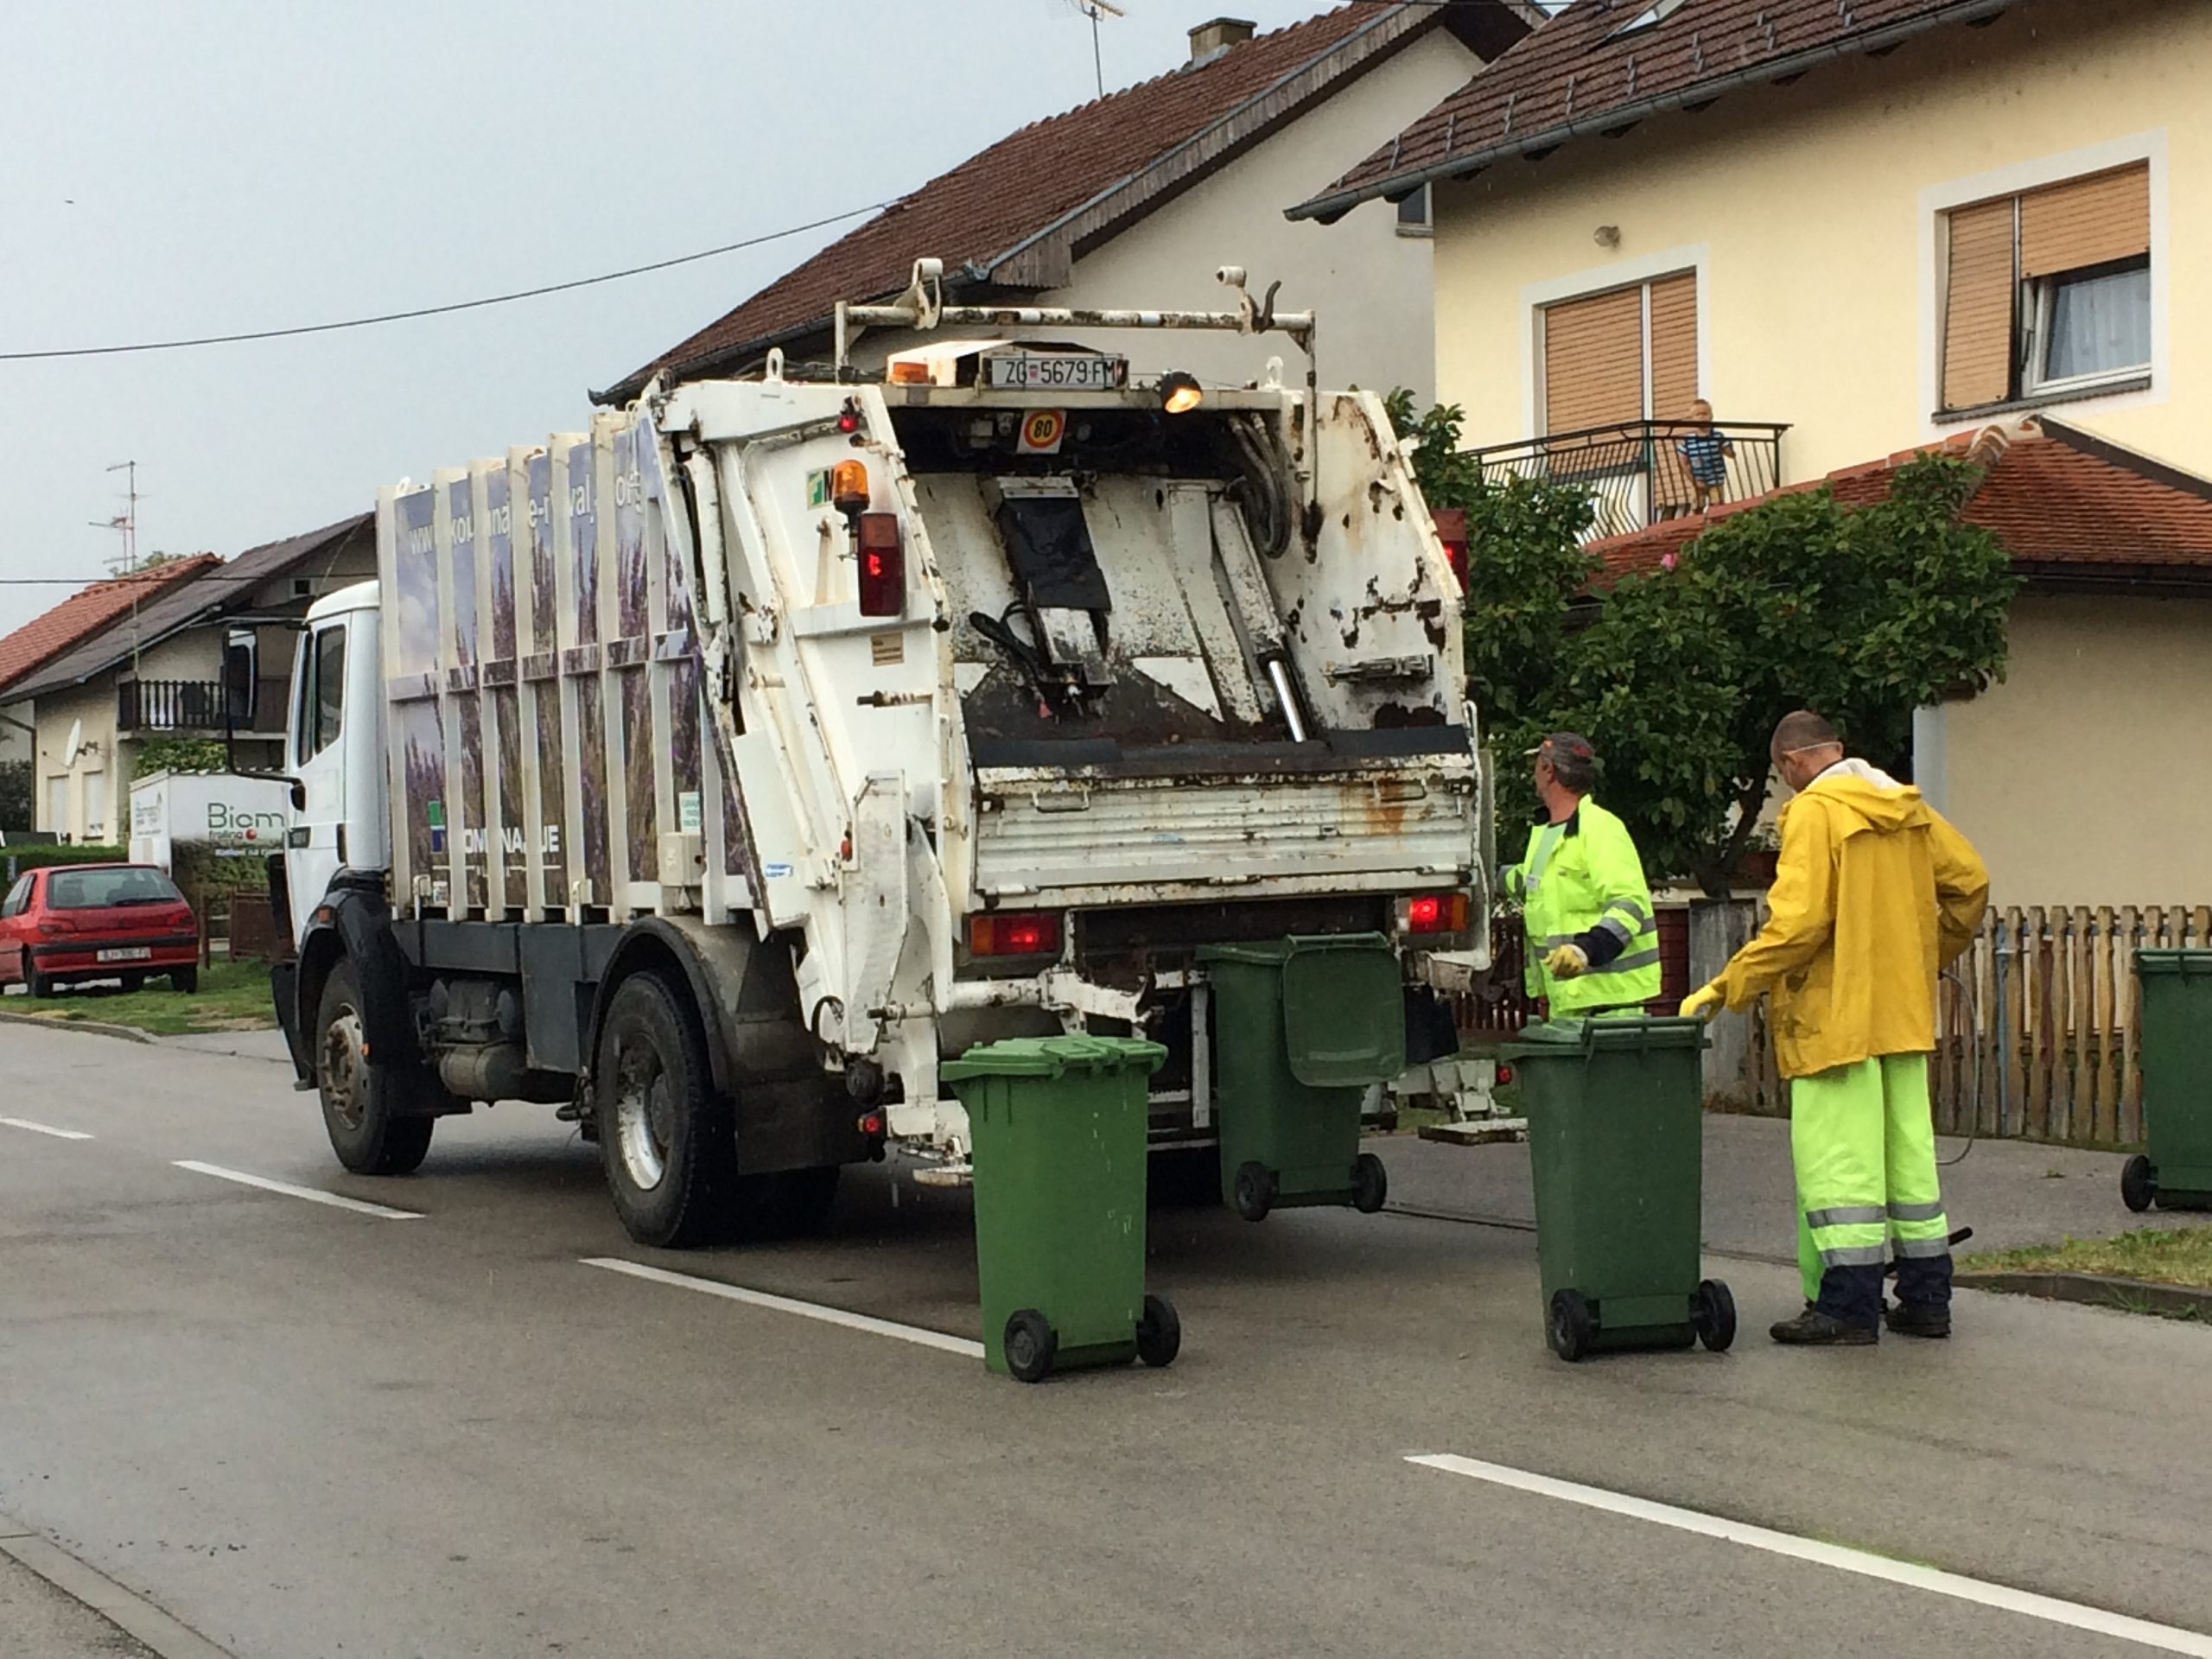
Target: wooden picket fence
{"type": "Point", "coordinates": [2038, 1033]}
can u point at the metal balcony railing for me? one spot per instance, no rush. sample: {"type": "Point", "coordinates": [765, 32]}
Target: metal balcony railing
{"type": "Point", "coordinates": [194, 705]}
{"type": "Point", "coordinates": [1638, 472]}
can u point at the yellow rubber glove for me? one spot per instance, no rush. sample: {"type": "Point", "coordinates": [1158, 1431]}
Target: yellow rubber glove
{"type": "Point", "coordinates": [1701, 1003]}
{"type": "Point", "coordinates": [1567, 962]}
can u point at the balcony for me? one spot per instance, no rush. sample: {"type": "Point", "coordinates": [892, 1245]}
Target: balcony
{"type": "Point", "coordinates": [193, 708]}
{"type": "Point", "coordinates": [1640, 472]}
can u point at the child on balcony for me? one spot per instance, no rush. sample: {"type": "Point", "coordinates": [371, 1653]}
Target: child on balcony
{"type": "Point", "coordinates": [1706, 453]}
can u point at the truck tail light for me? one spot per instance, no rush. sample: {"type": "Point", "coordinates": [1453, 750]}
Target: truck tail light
{"type": "Point", "coordinates": [1434, 912]}
{"type": "Point", "coordinates": [883, 565]}
{"type": "Point", "coordinates": [1452, 531]}
{"type": "Point", "coordinates": [1014, 933]}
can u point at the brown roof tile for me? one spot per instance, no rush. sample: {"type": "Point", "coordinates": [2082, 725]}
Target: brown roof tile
{"type": "Point", "coordinates": [87, 611]}
{"type": "Point", "coordinates": [1052, 174]}
{"type": "Point", "coordinates": [1580, 74]}
{"type": "Point", "coordinates": [2063, 502]}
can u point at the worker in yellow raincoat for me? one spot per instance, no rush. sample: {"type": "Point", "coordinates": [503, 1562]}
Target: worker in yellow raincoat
{"type": "Point", "coordinates": [1873, 896]}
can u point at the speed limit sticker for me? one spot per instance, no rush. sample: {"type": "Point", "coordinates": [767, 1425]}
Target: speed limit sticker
{"type": "Point", "coordinates": [1042, 430]}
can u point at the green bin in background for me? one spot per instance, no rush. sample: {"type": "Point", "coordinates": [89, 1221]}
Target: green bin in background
{"type": "Point", "coordinates": [1302, 1030]}
{"type": "Point", "coordinates": [1616, 1110]}
{"type": "Point", "coordinates": [1060, 1133]}
{"type": "Point", "coordinates": [2176, 1174]}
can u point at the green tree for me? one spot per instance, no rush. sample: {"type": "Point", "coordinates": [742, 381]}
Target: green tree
{"type": "Point", "coordinates": [179, 754]}
{"type": "Point", "coordinates": [15, 795]}
{"type": "Point", "coordinates": [1864, 612]}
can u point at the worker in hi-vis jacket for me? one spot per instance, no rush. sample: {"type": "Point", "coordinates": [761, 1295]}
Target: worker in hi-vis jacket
{"type": "Point", "coordinates": [1593, 944]}
{"type": "Point", "coordinates": [1874, 895]}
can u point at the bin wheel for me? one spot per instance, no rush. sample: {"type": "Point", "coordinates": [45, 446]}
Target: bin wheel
{"type": "Point", "coordinates": [2139, 1184]}
{"type": "Point", "coordinates": [1254, 1189]}
{"type": "Point", "coordinates": [1572, 1326]}
{"type": "Point", "coordinates": [1370, 1184]}
{"type": "Point", "coordinates": [1713, 1313]}
{"type": "Point", "coordinates": [1030, 1344]}
{"type": "Point", "coordinates": [1160, 1333]}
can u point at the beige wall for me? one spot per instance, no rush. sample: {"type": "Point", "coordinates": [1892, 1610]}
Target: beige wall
{"type": "Point", "coordinates": [1808, 211]}
{"type": "Point", "coordinates": [93, 705]}
{"type": "Point", "coordinates": [1372, 288]}
{"type": "Point", "coordinates": [2086, 778]}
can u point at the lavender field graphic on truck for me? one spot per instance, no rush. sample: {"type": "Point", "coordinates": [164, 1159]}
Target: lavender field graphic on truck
{"type": "Point", "coordinates": [469, 823]}
{"type": "Point", "coordinates": [676, 578]}
{"type": "Point", "coordinates": [461, 514]}
{"type": "Point", "coordinates": [415, 583]}
{"type": "Point", "coordinates": [506, 717]}
{"type": "Point", "coordinates": [583, 544]}
{"type": "Point", "coordinates": [544, 585]}
{"type": "Point", "coordinates": [552, 792]}
{"type": "Point", "coordinates": [422, 762]}
{"type": "Point", "coordinates": [632, 593]}
{"type": "Point", "coordinates": [591, 738]}
{"type": "Point", "coordinates": [684, 739]}
{"type": "Point", "coordinates": [499, 526]}
{"type": "Point", "coordinates": [638, 795]}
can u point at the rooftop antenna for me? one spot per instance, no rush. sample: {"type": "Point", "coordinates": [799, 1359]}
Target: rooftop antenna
{"type": "Point", "coordinates": [1095, 9]}
{"type": "Point", "coordinates": [126, 524]}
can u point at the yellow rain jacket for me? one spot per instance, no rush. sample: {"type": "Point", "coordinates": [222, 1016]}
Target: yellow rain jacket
{"type": "Point", "coordinates": [1873, 896]}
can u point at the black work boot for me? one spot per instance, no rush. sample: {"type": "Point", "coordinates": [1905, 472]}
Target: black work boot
{"type": "Point", "coordinates": [1919, 1319]}
{"type": "Point", "coordinates": [1815, 1329]}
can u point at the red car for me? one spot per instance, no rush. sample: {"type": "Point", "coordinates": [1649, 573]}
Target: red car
{"type": "Point", "coordinates": [97, 921]}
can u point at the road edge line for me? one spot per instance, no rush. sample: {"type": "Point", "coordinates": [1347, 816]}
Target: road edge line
{"type": "Point", "coordinates": [86, 1584]}
{"type": "Point", "coordinates": [2050, 1609]}
{"type": "Point", "coordinates": [920, 1336]}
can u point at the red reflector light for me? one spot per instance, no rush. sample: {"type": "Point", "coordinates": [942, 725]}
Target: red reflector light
{"type": "Point", "coordinates": [883, 565]}
{"type": "Point", "coordinates": [1433, 912]}
{"type": "Point", "coordinates": [1452, 531]}
{"type": "Point", "coordinates": [1504, 1074]}
{"type": "Point", "coordinates": [1019, 933]}
{"type": "Point", "coordinates": [849, 418]}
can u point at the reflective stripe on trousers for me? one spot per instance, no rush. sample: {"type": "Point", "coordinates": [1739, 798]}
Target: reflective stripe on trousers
{"type": "Point", "coordinates": [1863, 1141]}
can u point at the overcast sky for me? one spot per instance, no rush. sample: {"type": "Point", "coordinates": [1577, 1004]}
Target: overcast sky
{"type": "Point", "coordinates": [168, 170]}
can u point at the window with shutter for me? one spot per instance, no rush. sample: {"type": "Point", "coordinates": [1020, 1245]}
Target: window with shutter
{"type": "Point", "coordinates": [2049, 291]}
{"type": "Point", "coordinates": [1594, 362]}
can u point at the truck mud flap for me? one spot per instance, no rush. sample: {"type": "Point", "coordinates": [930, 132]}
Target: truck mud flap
{"type": "Point", "coordinates": [363, 922]}
{"type": "Point", "coordinates": [284, 991]}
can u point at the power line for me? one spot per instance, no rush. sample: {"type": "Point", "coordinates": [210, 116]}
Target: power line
{"type": "Point", "coordinates": [440, 310]}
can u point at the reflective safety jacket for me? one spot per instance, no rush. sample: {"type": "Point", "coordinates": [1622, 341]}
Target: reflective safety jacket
{"type": "Point", "coordinates": [1873, 894]}
{"type": "Point", "coordinates": [1580, 882]}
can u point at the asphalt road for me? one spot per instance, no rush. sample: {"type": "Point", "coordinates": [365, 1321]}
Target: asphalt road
{"type": "Point", "coordinates": [309, 1431]}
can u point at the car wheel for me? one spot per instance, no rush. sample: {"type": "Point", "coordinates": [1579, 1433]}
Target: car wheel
{"type": "Point", "coordinates": [667, 1141]}
{"type": "Point", "coordinates": [362, 1103]}
{"type": "Point", "coordinates": [34, 983]}
{"type": "Point", "coordinates": [132, 982]}
{"type": "Point", "coordinates": [184, 980]}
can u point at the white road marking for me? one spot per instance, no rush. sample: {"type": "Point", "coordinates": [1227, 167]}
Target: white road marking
{"type": "Point", "coordinates": [335, 1200]}
{"type": "Point", "coordinates": [2165, 1637]}
{"type": "Point", "coordinates": [45, 1129]}
{"type": "Point", "coordinates": [874, 1327]}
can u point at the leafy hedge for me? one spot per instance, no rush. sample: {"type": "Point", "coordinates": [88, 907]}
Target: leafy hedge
{"type": "Point", "coordinates": [16, 860]}
{"type": "Point", "coordinates": [195, 867]}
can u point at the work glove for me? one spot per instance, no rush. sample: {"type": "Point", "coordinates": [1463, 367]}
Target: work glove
{"type": "Point", "coordinates": [1567, 962]}
{"type": "Point", "coordinates": [1701, 1003]}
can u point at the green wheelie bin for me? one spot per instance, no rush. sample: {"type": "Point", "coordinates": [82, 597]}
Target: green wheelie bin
{"type": "Point", "coordinates": [1302, 1029]}
{"type": "Point", "coordinates": [2176, 1174]}
{"type": "Point", "coordinates": [1060, 1127]}
{"type": "Point", "coordinates": [1616, 1139]}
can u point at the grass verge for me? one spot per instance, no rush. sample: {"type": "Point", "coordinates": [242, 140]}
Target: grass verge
{"type": "Point", "coordinates": [2166, 1257]}
{"type": "Point", "coordinates": [232, 996]}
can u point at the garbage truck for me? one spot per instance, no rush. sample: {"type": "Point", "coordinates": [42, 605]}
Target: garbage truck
{"type": "Point", "coordinates": [718, 772]}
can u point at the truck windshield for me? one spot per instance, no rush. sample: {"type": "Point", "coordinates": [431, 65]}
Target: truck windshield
{"type": "Point", "coordinates": [102, 889]}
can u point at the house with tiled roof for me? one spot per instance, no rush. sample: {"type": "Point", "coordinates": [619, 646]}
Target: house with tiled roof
{"type": "Point", "coordinates": [1136, 198]}
{"type": "Point", "coordinates": [2082, 776]}
{"type": "Point", "coordinates": [154, 670]}
{"type": "Point", "coordinates": [85, 613]}
{"type": "Point", "coordinates": [1853, 230]}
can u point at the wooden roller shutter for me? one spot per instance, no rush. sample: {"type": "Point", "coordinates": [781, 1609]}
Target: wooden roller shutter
{"type": "Point", "coordinates": [1594, 362]}
{"type": "Point", "coordinates": [1978, 307]}
{"type": "Point", "coordinates": [2086, 222]}
{"type": "Point", "coordinates": [1673, 346]}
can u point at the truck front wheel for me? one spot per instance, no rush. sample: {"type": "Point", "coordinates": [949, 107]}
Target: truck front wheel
{"type": "Point", "coordinates": [666, 1139]}
{"type": "Point", "coordinates": [361, 1101]}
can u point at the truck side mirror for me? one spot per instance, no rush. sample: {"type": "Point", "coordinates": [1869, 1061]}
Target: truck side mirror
{"type": "Point", "coordinates": [241, 677]}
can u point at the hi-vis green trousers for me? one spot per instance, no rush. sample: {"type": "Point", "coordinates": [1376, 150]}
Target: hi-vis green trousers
{"type": "Point", "coordinates": [1862, 1139]}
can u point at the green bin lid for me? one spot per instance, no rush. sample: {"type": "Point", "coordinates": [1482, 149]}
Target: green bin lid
{"type": "Point", "coordinates": [1275, 952]}
{"type": "Point", "coordinates": [2155, 962]}
{"type": "Point", "coordinates": [1556, 1037]}
{"type": "Point", "coordinates": [1053, 1056]}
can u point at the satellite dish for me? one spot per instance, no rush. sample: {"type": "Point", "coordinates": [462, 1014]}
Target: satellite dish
{"type": "Point", "coordinates": [75, 744]}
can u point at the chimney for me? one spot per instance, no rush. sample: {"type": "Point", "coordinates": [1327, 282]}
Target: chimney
{"type": "Point", "coordinates": [1210, 41]}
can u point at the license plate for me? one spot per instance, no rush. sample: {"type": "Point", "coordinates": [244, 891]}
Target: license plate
{"type": "Point", "coordinates": [127, 953]}
{"type": "Point", "coordinates": [1028, 371]}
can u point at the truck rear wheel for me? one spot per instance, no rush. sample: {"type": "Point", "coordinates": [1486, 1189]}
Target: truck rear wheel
{"type": "Point", "coordinates": [362, 1103]}
{"type": "Point", "coordinates": [666, 1139]}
